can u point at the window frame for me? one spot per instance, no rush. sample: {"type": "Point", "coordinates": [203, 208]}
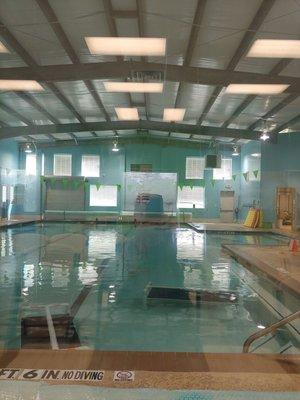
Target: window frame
{"type": "Point", "coordinates": [216, 170]}
{"type": "Point", "coordinates": [93, 188]}
{"type": "Point", "coordinates": [201, 175]}
{"type": "Point", "coordinates": [99, 165]}
{"type": "Point", "coordinates": [179, 204]}
{"type": "Point", "coordinates": [54, 166]}
{"type": "Point", "coordinates": [28, 167]}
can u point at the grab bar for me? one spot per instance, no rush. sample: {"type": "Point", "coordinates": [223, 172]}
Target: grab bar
{"type": "Point", "coordinates": [269, 329]}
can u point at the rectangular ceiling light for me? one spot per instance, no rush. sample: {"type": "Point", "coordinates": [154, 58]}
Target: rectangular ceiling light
{"type": "Point", "coordinates": [270, 48]}
{"type": "Point", "coordinates": [173, 114]}
{"type": "Point", "coordinates": [126, 46]}
{"type": "Point", "coordinates": [127, 114]}
{"type": "Point", "coordinates": [20, 85]}
{"type": "Point", "coordinates": [138, 87]}
{"type": "Point", "coordinates": [267, 89]}
{"type": "Point", "coordinates": [3, 49]}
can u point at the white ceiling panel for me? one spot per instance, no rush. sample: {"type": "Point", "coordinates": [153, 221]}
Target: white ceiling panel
{"type": "Point", "coordinates": [222, 29]}
{"type": "Point", "coordinates": [171, 19]}
{"type": "Point", "coordinates": [27, 23]}
{"type": "Point", "coordinates": [282, 22]}
{"type": "Point", "coordinates": [79, 19]}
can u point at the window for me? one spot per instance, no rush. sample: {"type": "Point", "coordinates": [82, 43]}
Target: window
{"type": "Point", "coordinates": [4, 194]}
{"type": "Point", "coordinates": [194, 168]}
{"type": "Point", "coordinates": [190, 197]}
{"type": "Point", "coordinates": [43, 164]}
{"type": "Point", "coordinates": [105, 196]}
{"type": "Point", "coordinates": [252, 164]}
{"type": "Point", "coordinates": [30, 167]}
{"type": "Point", "coordinates": [90, 166]}
{"type": "Point", "coordinates": [225, 172]}
{"type": "Point", "coordinates": [62, 165]}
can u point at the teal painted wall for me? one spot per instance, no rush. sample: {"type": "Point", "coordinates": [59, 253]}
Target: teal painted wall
{"type": "Point", "coordinates": [250, 189]}
{"type": "Point", "coordinates": [280, 167]}
{"type": "Point", "coordinates": [169, 158]}
{"type": "Point", "coordinates": [9, 154]}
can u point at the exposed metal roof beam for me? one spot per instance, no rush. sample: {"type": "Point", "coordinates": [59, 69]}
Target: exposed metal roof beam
{"type": "Point", "coordinates": [136, 138]}
{"type": "Point", "coordinates": [113, 30]}
{"type": "Point", "coordinates": [141, 28]}
{"type": "Point", "coordinates": [32, 101]}
{"type": "Point", "coordinates": [240, 108]}
{"type": "Point", "coordinates": [130, 125]}
{"type": "Point", "coordinates": [191, 42]}
{"type": "Point", "coordinates": [274, 110]}
{"type": "Point", "coordinates": [29, 60]}
{"type": "Point", "coordinates": [125, 14]}
{"type": "Point", "coordinates": [257, 21]}
{"type": "Point", "coordinates": [276, 70]}
{"type": "Point", "coordinates": [66, 44]}
{"type": "Point", "coordinates": [15, 113]}
{"type": "Point", "coordinates": [287, 124]}
{"type": "Point", "coordinates": [123, 69]}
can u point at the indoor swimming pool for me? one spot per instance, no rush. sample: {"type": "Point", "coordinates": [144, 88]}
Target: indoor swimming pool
{"type": "Point", "coordinates": [105, 271]}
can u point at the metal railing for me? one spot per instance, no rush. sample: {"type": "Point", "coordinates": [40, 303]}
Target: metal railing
{"type": "Point", "coordinates": [269, 329]}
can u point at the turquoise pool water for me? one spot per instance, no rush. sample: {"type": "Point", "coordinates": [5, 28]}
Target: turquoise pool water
{"type": "Point", "coordinates": [43, 391]}
{"type": "Point", "coordinates": [39, 269]}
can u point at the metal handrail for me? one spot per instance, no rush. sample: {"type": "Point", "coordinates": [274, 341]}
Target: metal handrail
{"type": "Point", "coordinates": [269, 329]}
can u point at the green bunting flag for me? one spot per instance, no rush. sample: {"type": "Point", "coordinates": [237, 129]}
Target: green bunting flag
{"type": "Point", "coordinates": [65, 182]}
{"type": "Point", "coordinates": [42, 179]}
{"type": "Point", "coordinates": [202, 183]}
{"type": "Point", "coordinates": [98, 185]}
{"type": "Point", "coordinates": [77, 184]}
{"type": "Point", "coordinates": [52, 181]}
{"type": "Point", "coordinates": [246, 176]}
{"type": "Point", "coordinates": [86, 185]}
{"type": "Point", "coordinates": [191, 186]}
{"type": "Point", "coordinates": [119, 187]}
{"type": "Point", "coordinates": [255, 173]}
{"type": "Point", "coordinates": [213, 182]}
{"type": "Point", "coordinates": [234, 177]}
{"type": "Point", "coordinates": [180, 185]}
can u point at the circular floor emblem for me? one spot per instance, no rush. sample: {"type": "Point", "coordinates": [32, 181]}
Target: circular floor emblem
{"type": "Point", "coordinates": [124, 376]}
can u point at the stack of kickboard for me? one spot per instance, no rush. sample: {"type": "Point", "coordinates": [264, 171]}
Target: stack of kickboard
{"type": "Point", "coordinates": [254, 218]}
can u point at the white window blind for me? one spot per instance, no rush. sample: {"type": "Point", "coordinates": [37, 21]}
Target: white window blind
{"type": "Point", "coordinates": [105, 196]}
{"type": "Point", "coordinates": [194, 168]}
{"type": "Point", "coordinates": [62, 165]}
{"type": "Point", "coordinates": [90, 166]}
{"type": "Point", "coordinates": [225, 172]}
{"type": "Point", "coordinates": [30, 167]}
{"type": "Point", "coordinates": [190, 197]}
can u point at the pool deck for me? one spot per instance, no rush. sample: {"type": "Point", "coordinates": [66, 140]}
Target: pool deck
{"type": "Point", "coordinates": [277, 262]}
{"type": "Point", "coordinates": [21, 220]}
{"type": "Point", "coordinates": [216, 371]}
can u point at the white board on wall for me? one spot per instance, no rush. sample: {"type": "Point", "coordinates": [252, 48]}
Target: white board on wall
{"type": "Point", "coordinates": [162, 183]}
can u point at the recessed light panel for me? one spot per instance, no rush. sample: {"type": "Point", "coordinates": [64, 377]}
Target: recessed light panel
{"type": "Point", "coordinates": [138, 87]}
{"type": "Point", "coordinates": [126, 46]}
{"type": "Point", "coordinates": [173, 114]}
{"type": "Point", "coordinates": [267, 89]}
{"type": "Point", "coordinates": [3, 49]}
{"type": "Point", "coordinates": [127, 114]}
{"type": "Point", "coordinates": [271, 48]}
{"type": "Point", "coordinates": [20, 85]}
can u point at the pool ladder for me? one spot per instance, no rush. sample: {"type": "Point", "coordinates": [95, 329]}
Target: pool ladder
{"type": "Point", "coordinates": [269, 329]}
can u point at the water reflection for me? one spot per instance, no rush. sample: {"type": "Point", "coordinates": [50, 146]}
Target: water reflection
{"type": "Point", "coordinates": [49, 265]}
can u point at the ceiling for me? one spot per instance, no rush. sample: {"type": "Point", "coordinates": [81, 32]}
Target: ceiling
{"type": "Point", "coordinates": [206, 45]}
